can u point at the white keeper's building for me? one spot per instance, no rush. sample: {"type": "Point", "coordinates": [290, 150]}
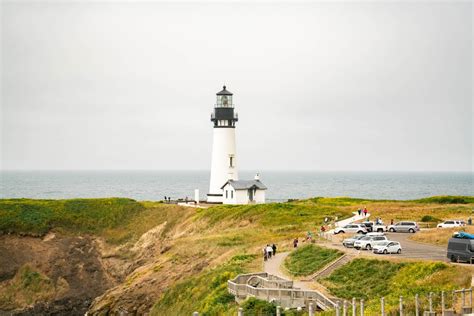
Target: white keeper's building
{"type": "Point", "coordinates": [225, 186]}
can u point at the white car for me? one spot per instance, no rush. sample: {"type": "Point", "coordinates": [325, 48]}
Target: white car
{"type": "Point", "coordinates": [368, 242]}
{"type": "Point", "coordinates": [388, 247]}
{"type": "Point", "coordinates": [449, 224]}
{"type": "Point", "coordinates": [351, 228]}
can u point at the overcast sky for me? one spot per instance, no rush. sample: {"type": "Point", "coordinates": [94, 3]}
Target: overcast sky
{"type": "Point", "coordinates": [318, 86]}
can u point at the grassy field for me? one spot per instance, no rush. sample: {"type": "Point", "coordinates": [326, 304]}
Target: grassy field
{"type": "Point", "coordinates": [308, 259]}
{"type": "Point", "coordinates": [370, 280]}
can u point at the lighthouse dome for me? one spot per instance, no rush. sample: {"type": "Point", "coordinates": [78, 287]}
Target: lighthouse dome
{"type": "Point", "coordinates": [224, 91]}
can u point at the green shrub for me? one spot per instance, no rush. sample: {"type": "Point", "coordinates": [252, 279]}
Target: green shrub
{"type": "Point", "coordinates": [430, 218]}
{"type": "Point", "coordinates": [253, 306]}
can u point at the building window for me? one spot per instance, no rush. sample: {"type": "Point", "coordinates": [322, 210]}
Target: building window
{"type": "Point", "coordinates": [226, 193]}
{"type": "Point", "coordinates": [231, 194]}
{"type": "Point", "coordinates": [231, 161]}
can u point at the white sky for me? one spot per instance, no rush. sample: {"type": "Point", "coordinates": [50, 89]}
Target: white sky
{"type": "Point", "coordinates": [318, 86]}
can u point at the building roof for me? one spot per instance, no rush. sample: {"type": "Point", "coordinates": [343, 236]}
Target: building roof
{"type": "Point", "coordinates": [224, 92]}
{"type": "Point", "coordinates": [245, 184]}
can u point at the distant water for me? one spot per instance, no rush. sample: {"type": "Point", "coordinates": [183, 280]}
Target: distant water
{"type": "Point", "coordinates": [282, 185]}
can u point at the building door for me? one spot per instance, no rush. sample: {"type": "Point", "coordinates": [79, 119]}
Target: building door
{"type": "Point", "coordinates": [251, 195]}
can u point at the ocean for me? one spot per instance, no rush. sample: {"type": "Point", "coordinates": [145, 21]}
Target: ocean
{"type": "Point", "coordinates": [282, 185]}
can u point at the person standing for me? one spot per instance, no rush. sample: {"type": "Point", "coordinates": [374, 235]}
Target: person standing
{"type": "Point", "coordinates": [269, 251]}
{"type": "Point", "coordinates": [265, 254]}
{"type": "Point", "coordinates": [274, 248]}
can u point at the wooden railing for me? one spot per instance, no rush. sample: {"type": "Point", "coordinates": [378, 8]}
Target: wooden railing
{"type": "Point", "coordinates": [277, 290]}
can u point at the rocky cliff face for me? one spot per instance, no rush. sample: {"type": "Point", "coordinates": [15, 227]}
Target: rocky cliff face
{"type": "Point", "coordinates": [51, 275]}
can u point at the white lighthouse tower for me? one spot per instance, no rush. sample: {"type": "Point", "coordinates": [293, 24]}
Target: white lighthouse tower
{"type": "Point", "coordinates": [224, 162]}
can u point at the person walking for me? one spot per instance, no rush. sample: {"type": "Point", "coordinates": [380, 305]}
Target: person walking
{"type": "Point", "coordinates": [391, 221]}
{"type": "Point", "coordinates": [359, 211]}
{"type": "Point", "coordinates": [295, 243]}
{"type": "Point", "coordinates": [269, 251]}
{"type": "Point", "coordinates": [274, 248]}
{"type": "Point", "coordinates": [365, 211]}
{"type": "Point", "coordinates": [265, 254]}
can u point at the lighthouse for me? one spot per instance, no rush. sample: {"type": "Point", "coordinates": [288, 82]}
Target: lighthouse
{"type": "Point", "coordinates": [225, 186]}
{"type": "Point", "coordinates": [224, 160]}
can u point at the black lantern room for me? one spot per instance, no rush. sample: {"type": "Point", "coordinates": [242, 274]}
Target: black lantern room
{"type": "Point", "coordinates": [224, 116]}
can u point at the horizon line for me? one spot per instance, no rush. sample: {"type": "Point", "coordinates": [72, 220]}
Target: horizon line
{"type": "Point", "coordinates": [242, 170]}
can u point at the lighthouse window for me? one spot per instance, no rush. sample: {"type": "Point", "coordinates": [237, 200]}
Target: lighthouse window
{"type": "Point", "coordinates": [231, 161]}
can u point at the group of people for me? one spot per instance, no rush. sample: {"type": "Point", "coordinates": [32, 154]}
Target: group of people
{"type": "Point", "coordinates": [269, 251]}
{"type": "Point", "coordinates": [362, 211]}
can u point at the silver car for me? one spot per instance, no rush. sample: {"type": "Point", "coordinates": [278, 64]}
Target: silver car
{"type": "Point", "coordinates": [349, 242]}
{"type": "Point", "coordinates": [404, 227]}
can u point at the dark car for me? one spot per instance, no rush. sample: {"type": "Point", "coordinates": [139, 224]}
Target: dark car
{"type": "Point", "coordinates": [460, 249]}
{"type": "Point", "coordinates": [369, 226]}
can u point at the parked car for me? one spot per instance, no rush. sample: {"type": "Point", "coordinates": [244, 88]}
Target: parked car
{"type": "Point", "coordinates": [449, 224]}
{"type": "Point", "coordinates": [404, 227]}
{"type": "Point", "coordinates": [368, 242]}
{"type": "Point", "coordinates": [461, 249]}
{"type": "Point", "coordinates": [349, 242]}
{"type": "Point", "coordinates": [373, 227]}
{"type": "Point", "coordinates": [388, 247]}
{"type": "Point", "coordinates": [351, 228]}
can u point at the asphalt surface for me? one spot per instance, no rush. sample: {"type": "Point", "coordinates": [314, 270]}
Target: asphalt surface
{"type": "Point", "coordinates": [410, 249]}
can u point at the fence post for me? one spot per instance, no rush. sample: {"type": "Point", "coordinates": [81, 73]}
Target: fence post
{"type": "Point", "coordinates": [278, 311]}
{"type": "Point", "coordinates": [311, 310]}
{"type": "Point", "coordinates": [463, 295]}
{"type": "Point", "coordinates": [442, 303]}
{"type": "Point", "coordinates": [430, 300]}
{"type": "Point", "coordinates": [240, 312]}
{"type": "Point", "coordinates": [362, 307]}
{"type": "Point", "coordinates": [470, 297]}
{"type": "Point", "coordinates": [338, 312]}
{"type": "Point", "coordinates": [344, 308]}
{"type": "Point", "coordinates": [416, 305]}
{"type": "Point", "coordinates": [354, 306]}
{"type": "Point", "coordinates": [382, 306]}
{"type": "Point", "coordinates": [401, 305]}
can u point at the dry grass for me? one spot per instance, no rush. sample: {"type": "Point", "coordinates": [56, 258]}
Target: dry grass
{"type": "Point", "coordinates": [439, 236]}
{"type": "Point", "coordinates": [415, 211]}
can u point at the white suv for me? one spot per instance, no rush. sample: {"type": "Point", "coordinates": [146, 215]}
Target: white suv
{"type": "Point", "coordinates": [368, 242]}
{"type": "Point", "coordinates": [449, 224]}
{"type": "Point", "coordinates": [351, 228]}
